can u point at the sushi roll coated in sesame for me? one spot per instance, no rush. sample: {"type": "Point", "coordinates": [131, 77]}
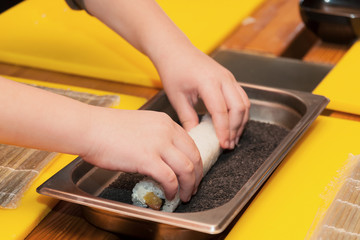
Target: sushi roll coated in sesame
{"type": "Point", "coordinates": [148, 193]}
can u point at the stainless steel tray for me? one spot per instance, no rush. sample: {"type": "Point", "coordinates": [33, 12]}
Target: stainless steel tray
{"type": "Point", "coordinates": [81, 183]}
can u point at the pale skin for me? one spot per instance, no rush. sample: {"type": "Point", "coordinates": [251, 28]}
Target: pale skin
{"type": "Point", "coordinates": [134, 141]}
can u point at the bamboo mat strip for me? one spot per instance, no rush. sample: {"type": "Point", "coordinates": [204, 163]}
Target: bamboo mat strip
{"type": "Point", "coordinates": [342, 219]}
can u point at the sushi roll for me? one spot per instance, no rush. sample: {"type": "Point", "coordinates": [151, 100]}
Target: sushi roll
{"type": "Point", "coordinates": [148, 193]}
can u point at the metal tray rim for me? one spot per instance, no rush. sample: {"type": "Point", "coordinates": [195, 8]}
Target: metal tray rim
{"type": "Point", "coordinates": [68, 191]}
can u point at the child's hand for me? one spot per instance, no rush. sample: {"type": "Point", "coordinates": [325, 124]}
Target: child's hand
{"type": "Point", "coordinates": [189, 74]}
{"type": "Point", "coordinates": [147, 142]}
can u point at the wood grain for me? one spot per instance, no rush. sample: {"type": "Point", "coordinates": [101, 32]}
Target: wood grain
{"type": "Point", "coordinates": [277, 29]}
{"type": "Point", "coordinates": [75, 80]}
{"type": "Point", "coordinates": [269, 30]}
{"type": "Point", "coordinates": [327, 53]}
{"type": "Point", "coordinates": [344, 115]}
{"type": "Point", "coordinates": [67, 222]}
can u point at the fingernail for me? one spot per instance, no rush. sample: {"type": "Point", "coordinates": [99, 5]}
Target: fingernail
{"type": "Point", "coordinates": [232, 145]}
{"type": "Point", "coordinates": [227, 144]}
{"type": "Point", "coordinates": [237, 141]}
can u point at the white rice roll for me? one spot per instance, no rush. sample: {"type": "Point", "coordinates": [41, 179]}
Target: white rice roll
{"type": "Point", "coordinates": [205, 138]}
{"type": "Point", "coordinates": [206, 141]}
{"type": "Point", "coordinates": [144, 187]}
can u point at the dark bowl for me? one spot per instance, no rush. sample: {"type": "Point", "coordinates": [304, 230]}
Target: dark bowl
{"type": "Point", "coordinates": [332, 20]}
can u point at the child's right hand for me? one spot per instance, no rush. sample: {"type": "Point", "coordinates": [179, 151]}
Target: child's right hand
{"type": "Point", "coordinates": [147, 142]}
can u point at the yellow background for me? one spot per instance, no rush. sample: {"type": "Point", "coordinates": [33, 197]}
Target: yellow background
{"type": "Point", "coordinates": [342, 84]}
{"type": "Point", "coordinates": [48, 34]}
{"type": "Point", "coordinates": [289, 202]}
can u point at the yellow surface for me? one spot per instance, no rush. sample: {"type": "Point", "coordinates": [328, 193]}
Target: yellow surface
{"type": "Point", "coordinates": [342, 84]}
{"type": "Point", "coordinates": [18, 223]}
{"type": "Point", "coordinates": [289, 201]}
{"type": "Point", "coordinates": [47, 34]}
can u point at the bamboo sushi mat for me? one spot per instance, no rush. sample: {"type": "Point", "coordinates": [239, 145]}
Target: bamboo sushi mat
{"type": "Point", "coordinates": [20, 166]}
{"type": "Point", "coordinates": [342, 218]}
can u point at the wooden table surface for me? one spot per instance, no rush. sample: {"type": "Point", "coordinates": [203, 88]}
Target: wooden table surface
{"type": "Point", "coordinates": [275, 29]}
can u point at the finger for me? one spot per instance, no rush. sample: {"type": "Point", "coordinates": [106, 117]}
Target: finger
{"type": "Point", "coordinates": [184, 170]}
{"type": "Point", "coordinates": [236, 103]}
{"type": "Point", "coordinates": [184, 108]}
{"type": "Point", "coordinates": [215, 104]}
{"type": "Point", "coordinates": [188, 147]}
{"type": "Point", "coordinates": [162, 173]}
{"type": "Point", "coordinates": [236, 110]}
{"type": "Point", "coordinates": [246, 116]}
